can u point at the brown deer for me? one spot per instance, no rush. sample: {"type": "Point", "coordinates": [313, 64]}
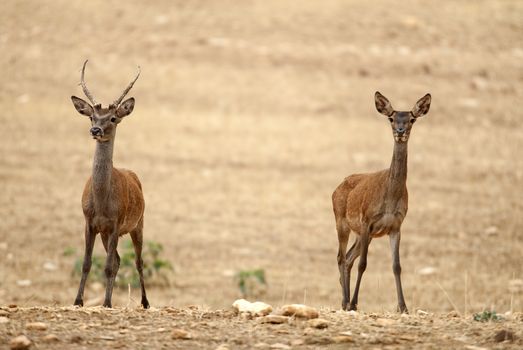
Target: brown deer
{"type": "Point", "coordinates": [112, 200]}
{"type": "Point", "coordinates": [373, 205]}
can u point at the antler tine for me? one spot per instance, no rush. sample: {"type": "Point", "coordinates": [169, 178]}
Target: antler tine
{"type": "Point", "coordinates": [117, 102]}
{"type": "Point", "coordinates": [84, 87]}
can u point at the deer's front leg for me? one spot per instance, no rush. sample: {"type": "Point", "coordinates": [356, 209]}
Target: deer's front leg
{"type": "Point", "coordinates": [111, 266]}
{"type": "Point", "coordinates": [394, 239]}
{"type": "Point", "coordinates": [90, 237]}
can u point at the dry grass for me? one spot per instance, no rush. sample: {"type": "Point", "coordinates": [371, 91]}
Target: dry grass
{"type": "Point", "coordinates": [248, 116]}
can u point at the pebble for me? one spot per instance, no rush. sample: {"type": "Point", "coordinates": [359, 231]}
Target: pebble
{"type": "Point", "coordinates": [300, 310]}
{"type": "Point", "coordinates": [280, 346]}
{"type": "Point", "coordinates": [178, 333]}
{"type": "Point", "coordinates": [19, 343]}
{"type": "Point", "coordinates": [223, 347]}
{"type": "Point", "coordinates": [50, 338]}
{"type": "Point", "coordinates": [257, 308]}
{"type": "Point", "coordinates": [36, 326]}
{"type": "Point", "coordinates": [319, 323]}
{"type": "Point", "coordinates": [274, 319]}
{"type": "Point", "coordinates": [3, 320]}
{"type": "Point", "coordinates": [24, 283]}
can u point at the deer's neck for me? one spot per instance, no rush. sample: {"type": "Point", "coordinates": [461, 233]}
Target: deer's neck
{"type": "Point", "coordinates": [397, 181]}
{"type": "Point", "coordinates": [102, 171]}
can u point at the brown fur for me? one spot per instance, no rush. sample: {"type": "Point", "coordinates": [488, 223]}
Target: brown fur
{"type": "Point", "coordinates": [127, 193]}
{"type": "Point", "coordinates": [112, 200]}
{"type": "Point", "coordinates": [373, 205]}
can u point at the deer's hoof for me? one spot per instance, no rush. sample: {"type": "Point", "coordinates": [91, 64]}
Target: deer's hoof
{"type": "Point", "coordinates": [145, 303]}
{"type": "Point", "coordinates": [402, 309]}
{"type": "Point", "coordinates": [353, 307]}
{"type": "Point", "coordinates": [78, 302]}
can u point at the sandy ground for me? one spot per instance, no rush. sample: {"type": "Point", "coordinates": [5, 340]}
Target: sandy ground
{"type": "Point", "coordinates": [248, 116]}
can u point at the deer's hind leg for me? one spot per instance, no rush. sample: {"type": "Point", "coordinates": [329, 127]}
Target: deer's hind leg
{"type": "Point", "coordinates": [137, 237]}
{"type": "Point", "coordinates": [343, 239]}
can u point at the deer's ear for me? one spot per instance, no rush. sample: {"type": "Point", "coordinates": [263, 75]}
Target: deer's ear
{"type": "Point", "coordinates": [81, 106]}
{"type": "Point", "coordinates": [125, 108]}
{"type": "Point", "coordinates": [382, 104]}
{"type": "Point", "coordinates": [422, 106]}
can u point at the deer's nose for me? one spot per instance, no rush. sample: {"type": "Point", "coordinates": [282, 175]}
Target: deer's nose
{"type": "Point", "coordinates": [96, 131]}
{"type": "Point", "coordinates": [400, 129]}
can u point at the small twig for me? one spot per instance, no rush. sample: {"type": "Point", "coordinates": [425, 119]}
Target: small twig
{"type": "Point", "coordinates": [304, 296]}
{"type": "Point", "coordinates": [448, 298]}
{"type": "Point", "coordinates": [129, 295]}
{"type": "Point", "coordinates": [466, 291]}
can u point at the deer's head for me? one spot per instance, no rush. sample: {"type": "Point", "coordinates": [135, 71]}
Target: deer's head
{"type": "Point", "coordinates": [104, 120]}
{"type": "Point", "coordinates": [401, 122]}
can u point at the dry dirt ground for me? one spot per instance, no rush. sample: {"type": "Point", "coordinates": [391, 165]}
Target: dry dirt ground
{"type": "Point", "coordinates": [197, 328]}
{"type": "Point", "coordinates": [248, 116]}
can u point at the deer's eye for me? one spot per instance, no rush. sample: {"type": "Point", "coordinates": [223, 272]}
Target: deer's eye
{"type": "Point", "coordinates": [113, 119]}
{"type": "Point", "coordinates": [412, 120]}
{"type": "Point", "coordinates": [391, 120]}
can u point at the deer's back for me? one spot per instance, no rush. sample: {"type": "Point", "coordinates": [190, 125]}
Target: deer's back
{"type": "Point", "coordinates": [124, 202]}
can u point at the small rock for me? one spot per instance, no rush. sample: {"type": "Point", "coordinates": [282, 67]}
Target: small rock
{"type": "Point", "coordinates": [491, 231]}
{"type": "Point", "coordinates": [36, 326]}
{"type": "Point", "coordinates": [342, 339]}
{"type": "Point", "coordinates": [223, 347]}
{"type": "Point", "coordinates": [257, 308]}
{"type": "Point", "coordinates": [4, 313]}
{"type": "Point", "coordinates": [353, 313]}
{"type": "Point", "coordinates": [474, 347]}
{"type": "Point", "coordinates": [50, 338]}
{"type": "Point", "coordinates": [427, 271]}
{"type": "Point", "coordinates": [300, 310]}
{"type": "Point", "coordinates": [19, 343]}
{"type": "Point", "coordinates": [504, 335]}
{"type": "Point", "coordinates": [319, 323]}
{"type": "Point", "coordinates": [479, 83]}
{"type": "Point", "coordinates": [50, 266]}
{"type": "Point", "coordinates": [24, 283]}
{"type": "Point", "coordinates": [421, 313]}
{"type": "Point", "coordinates": [274, 319]}
{"type": "Point", "coordinates": [319, 340]}
{"type": "Point", "coordinates": [178, 333]}
{"type": "Point", "coordinates": [280, 346]}
{"type": "Point", "coordinates": [346, 333]}
{"type": "Point", "coordinates": [3, 320]}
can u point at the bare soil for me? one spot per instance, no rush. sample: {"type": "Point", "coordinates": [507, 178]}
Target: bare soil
{"type": "Point", "coordinates": [248, 116]}
{"type": "Point", "coordinates": [96, 327]}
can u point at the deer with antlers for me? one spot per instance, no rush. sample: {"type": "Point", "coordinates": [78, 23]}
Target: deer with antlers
{"type": "Point", "coordinates": [112, 200]}
{"type": "Point", "coordinates": [373, 205]}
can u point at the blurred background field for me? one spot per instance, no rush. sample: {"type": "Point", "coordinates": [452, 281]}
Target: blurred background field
{"type": "Point", "coordinates": [248, 115]}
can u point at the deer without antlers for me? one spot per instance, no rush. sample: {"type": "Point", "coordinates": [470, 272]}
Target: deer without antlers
{"type": "Point", "coordinates": [373, 205]}
{"type": "Point", "coordinates": [112, 200]}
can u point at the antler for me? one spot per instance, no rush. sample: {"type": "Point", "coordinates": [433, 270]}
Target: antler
{"type": "Point", "coordinates": [84, 87]}
{"type": "Point", "coordinates": [117, 102]}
